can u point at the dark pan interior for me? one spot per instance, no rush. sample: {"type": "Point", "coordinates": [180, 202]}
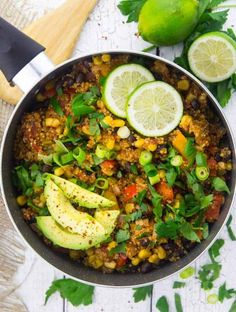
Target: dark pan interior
{"type": "Point", "coordinates": [62, 262]}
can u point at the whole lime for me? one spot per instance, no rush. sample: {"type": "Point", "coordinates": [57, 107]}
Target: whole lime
{"type": "Point", "coordinates": [167, 22]}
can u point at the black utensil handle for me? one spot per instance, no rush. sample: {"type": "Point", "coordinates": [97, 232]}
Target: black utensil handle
{"type": "Point", "coordinates": [16, 49]}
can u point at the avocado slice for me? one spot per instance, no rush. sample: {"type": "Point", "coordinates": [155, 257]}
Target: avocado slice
{"type": "Point", "coordinates": [68, 217]}
{"type": "Point", "coordinates": [81, 196]}
{"type": "Point", "coordinates": [107, 218]}
{"type": "Point", "coordinates": [61, 237]}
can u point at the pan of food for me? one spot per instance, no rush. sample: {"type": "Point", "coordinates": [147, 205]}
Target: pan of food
{"type": "Point", "coordinates": [117, 168]}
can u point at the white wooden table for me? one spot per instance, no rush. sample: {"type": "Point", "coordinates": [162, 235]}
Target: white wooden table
{"type": "Point", "coordinates": [106, 29]}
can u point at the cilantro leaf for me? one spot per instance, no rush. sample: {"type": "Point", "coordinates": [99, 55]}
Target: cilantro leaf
{"type": "Point", "coordinates": [131, 8]}
{"type": "Point", "coordinates": [122, 235]}
{"type": "Point", "coordinates": [188, 233]}
{"type": "Point", "coordinates": [224, 293]}
{"type": "Point", "coordinates": [190, 149]}
{"type": "Point", "coordinates": [201, 159]}
{"type": "Point", "coordinates": [156, 202]}
{"type": "Point", "coordinates": [81, 103]}
{"type": "Point", "coordinates": [233, 307]}
{"type": "Point", "coordinates": [56, 106]}
{"type": "Point", "coordinates": [171, 176]}
{"type": "Point", "coordinates": [178, 284]}
{"type": "Point", "coordinates": [178, 303]}
{"type": "Point", "coordinates": [214, 3]}
{"type": "Point", "coordinates": [230, 230]}
{"type": "Point", "coordinates": [208, 274]}
{"type": "Point", "coordinates": [214, 251]}
{"type": "Point", "coordinates": [120, 248]}
{"type": "Point", "coordinates": [220, 185]}
{"type": "Point", "coordinates": [162, 304]}
{"type": "Point", "coordinates": [141, 293]}
{"type": "Point", "coordinates": [169, 229]}
{"type": "Point", "coordinates": [75, 292]}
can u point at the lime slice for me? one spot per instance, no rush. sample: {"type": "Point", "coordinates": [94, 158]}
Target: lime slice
{"type": "Point", "coordinates": [154, 109]}
{"type": "Point", "coordinates": [212, 57]}
{"type": "Point", "coordinates": [120, 84]}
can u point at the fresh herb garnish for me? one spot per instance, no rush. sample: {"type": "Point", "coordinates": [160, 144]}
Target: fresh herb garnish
{"type": "Point", "coordinates": [201, 159]}
{"type": "Point", "coordinates": [178, 303]}
{"type": "Point", "coordinates": [233, 307]}
{"type": "Point", "coordinates": [156, 202]}
{"type": "Point", "coordinates": [141, 293]}
{"type": "Point", "coordinates": [56, 106]}
{"type": "Point", "coordinates": [171, 176]}
{"type": "Point", "coordinates": [208, 274]}
{"type": "Point", "coordinates": [178, 284]}
{"type": "Point", "coordinates": [75, 292]}
{"type": "Point", "coordinates": [162, 304]}
{"type": "Point", "coordinates": [220, 185]}
{"type": "Point", "coordinates": [120, 248]}
{"type": "Point", "coordinates": [169, 229]}
{"type": "Point", "coordinates": [225, 293]}
{"type": "Point", "coordinates": [122, 235]}
{"type": "Point", "coordinates": [187, 231]}
{"type": "Point", "coordinates": [131, 8]}
{"type": "Point", "coordinates": [229, 229]}
{"type": "Point", "coordinates": [190, 150]}
{"type": "Point", "coordinates": [214, 251]}
{"type": "Point", "coordinates": [81, 103]}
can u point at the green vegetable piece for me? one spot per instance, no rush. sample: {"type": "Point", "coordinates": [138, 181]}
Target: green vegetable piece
{"type": "Point", "coordinates": [131, 8]}
{"type": "Point", "coordinates": [60, 147]}
{"type": "Point", "coordinates": [120, 248]}
{"type": "Point", "coordinates": [233, 307]}
{"type": "Point", "coordinates": [225, 293]}
{"type": "Point", "coordinates": [150, 170]}
{"type": "Point", "coordinates": [171, 176]}
{"type": "Point", "coordinates": [56, 106]}
{"type": "Point", "coordinates": [230, 230]}
{"type": "Point", "coordinates": [134, 169]}
{"type": "Point", "coordinates": [141, 293]}
{"type": "Point", "coordinates": [214, 251]}
{"type": "Point", "coordinates": [178, 303]}
{"type": "Point", "coordinates": [66, 158]}
{"type": "Point", "coordinates": [187, 232]}
{"type": "Point", "coordinates": [75, 292]}
{"type": "Point", "coordinates": [176, 161]}
{"type": "Point", "coordinates": [190, 149]}
{"type": "Point", "coordinates": [201, 159]}
{"type": "Point", "coordinates": [162, 304]}
{"type": "Point", "coordinates": [212, 299]}
{"type": "Point", "coordinates": [102, 183]}
{"type": "Point", "coordinates": [79, 155]}
{"type": "Point", "coordinates": [178, 284]}
{"type": "Point", "coordinates": [186, 273]}
{"type": "Point", "coordinates": [122, 235]}
{"type": "Point", "coordinates": [208, 274]}
{"type": "Point", "coordinates": [101, 151]}
{"type": "Point", "coordinates": [220, 185]}
{"type": "Point", "coordinates": [202, 173]}
{"type": "Point", "coordinates": [154, 180]}
{"type": "Point", "coordinates": [145, 158]}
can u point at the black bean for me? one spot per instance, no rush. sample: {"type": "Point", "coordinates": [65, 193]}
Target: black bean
{"type": "Point", "coordinates": [80, 78]}
{"type": "Point", "coordinates": [161, 146]}
{"type": "Point", "coordinates": [90, 77]}
{"type": "Point", "coordinates": [144, 242]}
{"type": "Point", "coordinates": [195, 104]}
{"type": "Point", "coordinates": [157, 76]}
{"type": "Point", "coordinates": [146, 267]}
{"type": "Point", "coordinates": [46, 168]}
{"type": "Point", "coordinates": [218, 157]}
{"type": "Point", "coordinates": [68, 81]}
{"type": "Point", "coordinates": [127, 167]}
{"type": "Point", "coordinates": [132, 138]}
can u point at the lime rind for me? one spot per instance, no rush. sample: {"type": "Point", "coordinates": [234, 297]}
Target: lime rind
{"type": "Point", "coordinates": [154, 109]}
{"type": "Point", "coordinates": [120, 83]}
{"type": "Point", "coordinates": [212, 57]}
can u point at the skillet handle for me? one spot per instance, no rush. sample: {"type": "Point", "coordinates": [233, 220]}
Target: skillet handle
{"type": "Point", "coordinates": [16, 49]}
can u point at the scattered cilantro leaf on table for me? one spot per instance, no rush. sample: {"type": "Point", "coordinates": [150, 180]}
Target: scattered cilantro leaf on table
{"type": "Point", "coordinates": [208, 274]}
{"type": "Point", "coordinates": [178, 303]}
{"type": "Point", "coordinates": [178, 284]}
{"type": "Point", "coordinates": [75, 292]}
{"type": "Point", "coordinates": [233, 307]}
{"type": "Point", "coordinates": [225, 293]}
{"type": "Point", "coordinates": [162, 304]}
{"type": "Point", "coordinates": [141, 293]}
{"type": "Point", "coordinates": [229, 229]}
{"type": "Point", "coordinates": [122, 235]}
{"type": "Point", "coordinates": [214, 251]}
{"type": "Point", "coordinates": [131, 9]}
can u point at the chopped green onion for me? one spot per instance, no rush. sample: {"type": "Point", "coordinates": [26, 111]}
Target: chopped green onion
{"type": "Point", "coordinates": [188, 272]}
{"type": "Point", "coordinates": [134, 169]}
{"type": "Point", "coordinates": [66, 158]}
{"type": "Point", "coordinates": [202, 173]}
{"type": "Point", "coordinates": [56, 106]}
{"type": "Point", "coordinates": [73, 180]}
{"type": "Point", "coordinates": [110, 155]}
{"type": "Point", "coordinates": [60, 147]}
{"type": "Point", "coordinates": [80, 155]}
{"type": "Point", "coordinates": [145, 158]}
{"type": "Point", "coordinates": [102, 183]}
{"type": "Point", "coordinates": [201, 160]}
{"type": "Point", "coordinates": [154, 180]}
{"type": "Point", "coordinates": [119, 174]}
{"type": "Point", "coordinates": [101, 151]}
{"type": "Point", "coordinates": [212, 299]}
{"type": "Point", "coordinates": [176, 161]}
{"type": "Point", "coordinates": [150, 170]}
{"type": "Point", "coordinates": [47, 159]}
{"type": "Point", "coordinates": [56, 159]}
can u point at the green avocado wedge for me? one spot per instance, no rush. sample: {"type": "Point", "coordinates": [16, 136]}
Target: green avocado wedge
{"type": "Point", "coordinates": [63, 238]}
{"type": "Point", "coordinates": [70, 218]}
{"type": "Point", "coordinates": [81, 196]}
{"type": "Point", "coordinates": [107, 218]}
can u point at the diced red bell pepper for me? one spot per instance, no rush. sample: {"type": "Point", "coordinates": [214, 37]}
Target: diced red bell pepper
{"type": "Point", "coordinates": [165, 191]}
{"type": "Point", "coordinates": [121, 261]}
{"type": "Point", "coordinates": [108, 167]}
{"type": "Point", "coordinates": [130, 191]}
{"type": "Point", "coordinates": [213, 211]}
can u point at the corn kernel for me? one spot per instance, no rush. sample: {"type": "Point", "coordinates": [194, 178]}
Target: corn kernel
{"type": "Point", "coordinates": [97, 263]}
{"type": "Point", "coordinates": [117, 123]}
{"type": "Point", "coordinates": [176, 203]}
{"type": "Point", "coordinates": [112, 245]}
{"type": "Point", "coordinates": [162, 174]}
{"type": "Point", "coordinates": [229, 166]}
{"type": "Point", "coordinates": [152, 147]}
{"type": "Point", "coordinates": [129, 208]}
{"type": "Point", "coordinates": [139, 143]}
{"type": "Point", "coordinates": [97, 60]}
{"type": "Point", "coordinates": [183, 85]}
{"type": "Point", "coordinates": [85, 130]}
{"type": "Point", "coordinates": [59, 171]}
{"type": "Point", "coordinates": [153, 258]}
{"type": "Point", "coordinates": [42, 198]}
{"type": "Point", "coordinates": [163, 240]}
{"type": "Point", "coordinates": [106, 58]}
{"type": "Point", "coordinates": [144, 253]}
{"type": "Point", "coordinates": [48, 122]}
{"type": "Point", "coordinates": [179, 196]}
{"type": "Point", "coordinates": [135, 261]}
{"type": "Point", "coordinates": [100, 104]}
{"type": "Point", "coordinates": [110, 143]}
{"type": "Point", "coordinates": [91, 259]}
{"type": "Point", "coordinates": [90, 252]}
{"type": "Point", "coordinates": [108, 120]}
{"type": "Point", "coordinates": [161, 252]}
{"type": "Point", "coordinates": [21, 200]}
{"type": "Point", "coordinates": [110, 265]}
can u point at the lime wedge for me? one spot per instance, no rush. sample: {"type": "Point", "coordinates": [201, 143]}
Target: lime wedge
{"type": "Point", "coordinates": [212, 57]}
{"type": "Point", "coordinates": [154, 109]}
{"type": "Point", "coordinates": [120, 83]}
